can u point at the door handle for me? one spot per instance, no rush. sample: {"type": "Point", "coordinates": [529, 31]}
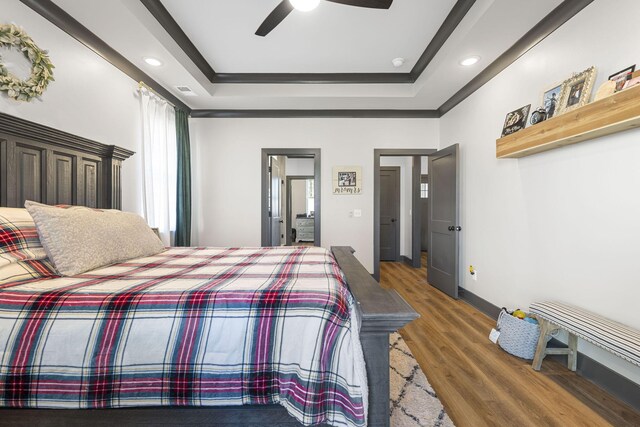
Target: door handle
{"type": "Point", "coordinates": [281, 221]}
{"type": "Point", "coordinates": [451, 228]}
{"type": "Point", "coordinates": [458, 228]}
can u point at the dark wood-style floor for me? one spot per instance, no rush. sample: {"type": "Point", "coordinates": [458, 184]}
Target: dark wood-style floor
{"type": "Point", "coordinates": [481, 385]}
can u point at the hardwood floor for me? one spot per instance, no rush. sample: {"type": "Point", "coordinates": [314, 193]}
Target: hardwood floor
{"type": "Point", "coordinates": [480, 384]}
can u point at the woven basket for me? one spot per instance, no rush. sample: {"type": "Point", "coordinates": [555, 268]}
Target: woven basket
{"type": "Point", "coordinates": [517, 337]}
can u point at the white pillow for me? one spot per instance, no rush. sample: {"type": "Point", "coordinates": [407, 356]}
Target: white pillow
{"type": "Point", "coordinates": [79, 239]}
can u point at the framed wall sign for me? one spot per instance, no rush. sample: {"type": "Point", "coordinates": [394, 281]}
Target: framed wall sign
{"type": "Point", "coordinates": [347, 180]}
{"type": "Point", "coordinates": [516, 120]}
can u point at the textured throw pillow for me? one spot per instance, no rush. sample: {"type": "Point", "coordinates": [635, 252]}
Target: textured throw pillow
{"type": "Point", "coordinates": [79, 239]}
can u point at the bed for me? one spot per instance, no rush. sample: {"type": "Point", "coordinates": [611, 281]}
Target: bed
{"type": "Point", "coordinates": [310, 322]}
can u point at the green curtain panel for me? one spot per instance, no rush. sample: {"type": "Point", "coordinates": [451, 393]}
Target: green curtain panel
{"type": "Point", "coordinates": [183, 205]}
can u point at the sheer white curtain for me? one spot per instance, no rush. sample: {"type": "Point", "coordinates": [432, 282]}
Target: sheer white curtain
{"type": "Point", "coordinates": [159, 164]}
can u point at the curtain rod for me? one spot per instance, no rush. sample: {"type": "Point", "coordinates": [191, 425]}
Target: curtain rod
{"type": "Point", "coordinates": [142, 85]}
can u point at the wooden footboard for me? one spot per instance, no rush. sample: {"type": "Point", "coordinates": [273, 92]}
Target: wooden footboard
{"type": "Point", "coordinates": [382, 312]}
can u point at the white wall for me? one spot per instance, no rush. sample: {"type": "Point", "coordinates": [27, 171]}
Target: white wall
{"type": "Point", "coordinates": [89, 97]}
{"type": "Point", "coordinates": [406, 165]}
{"type": "Point", "coordinates": [226, 168]}
{"type": "Point", "coordinates": [561, 225]}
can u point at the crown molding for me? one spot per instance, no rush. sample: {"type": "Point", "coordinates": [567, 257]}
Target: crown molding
{"type": "Point", "coordinates": [279, 114]}
{"type": "Point", "coordinates": [162, 15]}
{"type": "Point", "coordinates": [451, 22]}
{"type": "Point", "coordinates": [453, 19]}
{"type": "Point", "coordinates": [554, 20]}
{"type": "Point", "coordinates": [57, 16]}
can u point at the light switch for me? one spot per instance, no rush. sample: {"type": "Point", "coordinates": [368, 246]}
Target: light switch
{"type": "Point", "coordinates": [357, 213]}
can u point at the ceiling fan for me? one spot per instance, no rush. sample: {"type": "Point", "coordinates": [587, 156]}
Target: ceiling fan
{"type": "Point", "coordinates": [286, 7]}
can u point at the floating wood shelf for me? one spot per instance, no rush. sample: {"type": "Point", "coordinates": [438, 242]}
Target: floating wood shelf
{"type": "Point", "coordinates": [616, 113]}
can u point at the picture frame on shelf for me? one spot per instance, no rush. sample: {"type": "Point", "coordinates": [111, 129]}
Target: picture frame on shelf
{"type": "Point", "coordinates": [550, 98]}
{"type": "Point", "coordinates": [516, 120]}
{"type": "Point", "coordinates": [622, 76]}
{"type": "Point", "coordinates": [631, 83]}
{"type": "Point", "coordinates": [576, 91]}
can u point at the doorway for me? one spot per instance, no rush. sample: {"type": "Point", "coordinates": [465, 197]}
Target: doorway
{"type": "Point", "coordinates": [413, 217]}
{"type": "Point", "coordinates": [443, 214]}
{"type": "Point", "coordinates": [278, 220]}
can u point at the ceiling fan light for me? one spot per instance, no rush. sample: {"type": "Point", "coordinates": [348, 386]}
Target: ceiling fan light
{"type": "Point", "coordinates": [304, 5]}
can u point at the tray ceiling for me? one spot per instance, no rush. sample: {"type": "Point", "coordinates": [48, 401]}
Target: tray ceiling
{"type": "Point", "coordinates": [333, 38]}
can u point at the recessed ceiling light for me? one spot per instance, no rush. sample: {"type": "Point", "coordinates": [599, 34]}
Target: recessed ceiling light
{"type": "Point", "coordinates": [152, 61]}
{"type": "Point", "coordinates": [470, 60]}
{"type": "Point", "coordinates": [304, 5]}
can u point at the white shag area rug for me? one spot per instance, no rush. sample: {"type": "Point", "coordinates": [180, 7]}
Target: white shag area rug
{"type": "Point", "coordinates": [414, 403]}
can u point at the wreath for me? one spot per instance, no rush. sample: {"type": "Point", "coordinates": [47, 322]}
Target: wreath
{"type": "Point", "coordinates": [41, 66]}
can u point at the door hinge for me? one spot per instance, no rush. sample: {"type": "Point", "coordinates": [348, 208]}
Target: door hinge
{"type": "Point", "coordinates": [269, 169]}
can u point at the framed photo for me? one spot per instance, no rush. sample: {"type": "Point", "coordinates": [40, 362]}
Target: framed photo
{"type": "Point", "coordinates": [622, 76]}
{"type": "Point", "coordinates": [347, 180]}
{"type": "Point", "coordinates": [550, 99]}
{"type": "Point", "coordinates": [631, 83]}
{"type": "Point", "coordinates": [516, 120]}
{"type": "Point", "coordinates": [576, 91]}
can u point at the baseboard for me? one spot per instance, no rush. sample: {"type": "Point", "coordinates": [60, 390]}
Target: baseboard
{"type": "Point", "coordinates": [616, 384]}
{"type": "Point", "coordinates": [481, 304]}
{"type": "Point", "coordinates": [619, 386]}
{"type": "Point", "coordinates": [406, 260]}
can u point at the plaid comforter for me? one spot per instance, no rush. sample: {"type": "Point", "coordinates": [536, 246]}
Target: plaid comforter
{"type": "Point", "coordinates": [188, 327]}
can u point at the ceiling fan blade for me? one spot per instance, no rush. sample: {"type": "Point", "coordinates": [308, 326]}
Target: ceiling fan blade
{"type": "Point", "coordinates": [275, 17]}
{"type": "Point", "coordinates": [373, 4]}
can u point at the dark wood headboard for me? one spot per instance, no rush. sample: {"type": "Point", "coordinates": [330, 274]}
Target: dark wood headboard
{"type": "Point", "coordinates": [54, 167]}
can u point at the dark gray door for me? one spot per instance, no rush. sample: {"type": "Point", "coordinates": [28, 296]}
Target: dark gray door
{"type": "Point", "coordinates": [424, 212]}
{"type": "Point", "coordinates": [277, 219]}
{"type": "Point", "coordinates": [390, 213]}
{"type": "Point", "coordinates": [443, 221]}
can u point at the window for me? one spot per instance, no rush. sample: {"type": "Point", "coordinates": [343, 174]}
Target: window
{"type": "Point", "coordinates": [424, 190]}
{"type": "Point", "coordinates": [160, 164]}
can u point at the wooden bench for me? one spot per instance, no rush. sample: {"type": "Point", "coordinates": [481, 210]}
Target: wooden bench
{"type": "Point", "coordinates": [619, 339]}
